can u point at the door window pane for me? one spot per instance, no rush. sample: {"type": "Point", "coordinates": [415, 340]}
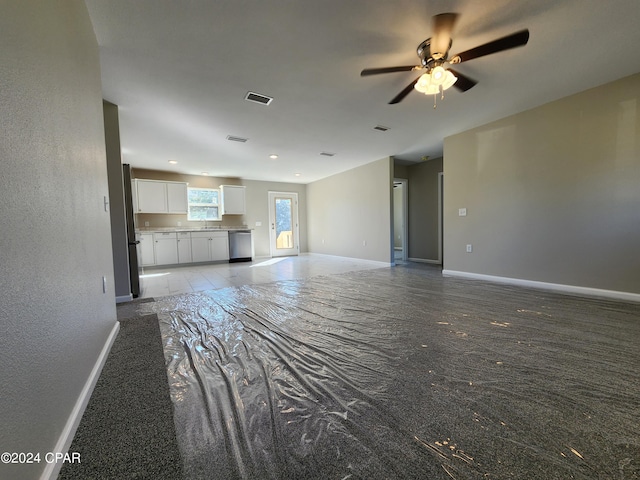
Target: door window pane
{"type": "Point", "coordinates": [284, 230]}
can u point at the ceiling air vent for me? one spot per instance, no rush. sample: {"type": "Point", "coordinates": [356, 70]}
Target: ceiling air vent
{"type": "Point", "coordinates": [381, 128]}
{"type": "Point", "coordinates": [258, 98]}
{"type": "Point", "coordinates": [327, 154]}
{"type": "Point", "coordinates": [236, 139]}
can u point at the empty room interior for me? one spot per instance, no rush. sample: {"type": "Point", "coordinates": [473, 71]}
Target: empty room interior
{"type": "Point", "coordinates": [320, 240]}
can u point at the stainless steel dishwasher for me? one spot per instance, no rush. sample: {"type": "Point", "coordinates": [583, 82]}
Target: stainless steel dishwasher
{"type": "Point", "coordinates": [239, 246]}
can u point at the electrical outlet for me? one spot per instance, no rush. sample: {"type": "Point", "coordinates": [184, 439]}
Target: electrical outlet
{"type": "Point", "coordinates": [469, 248]}
{"type": "Point", "coordinates": [462, 212]}
{"type": "Point", "coordinates": [146, 224]}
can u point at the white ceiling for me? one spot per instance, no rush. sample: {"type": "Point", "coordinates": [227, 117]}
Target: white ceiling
{"type": "Point", "coordinates": [179, 71]}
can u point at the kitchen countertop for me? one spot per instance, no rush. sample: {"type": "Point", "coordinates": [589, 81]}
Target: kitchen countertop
{"type": "Point", "coordinates": [191, 229]}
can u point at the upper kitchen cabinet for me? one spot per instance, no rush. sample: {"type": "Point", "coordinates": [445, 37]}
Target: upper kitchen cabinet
{"type": "Point", "coordinates": [153, 196]}
{"type": "Point", "coordinates": [233, 199]}
{"type": "Point", "coordinates": [177, 197]}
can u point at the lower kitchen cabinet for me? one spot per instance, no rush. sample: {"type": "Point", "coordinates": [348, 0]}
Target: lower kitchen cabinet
{"type": "Point", "coordinates": [209, 246]}
{"type": "Point", "coordinates": [166, 244]}
{"type": "Point", "coordinates": [146, 249]}
{"type": "Point", "coordinates": [184, 247]}
{"type": "Point", "coordinates": [174, 248]}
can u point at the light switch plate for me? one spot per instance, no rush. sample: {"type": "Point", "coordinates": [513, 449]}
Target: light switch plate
{"type": "Point", "coordinates": [462, 212]}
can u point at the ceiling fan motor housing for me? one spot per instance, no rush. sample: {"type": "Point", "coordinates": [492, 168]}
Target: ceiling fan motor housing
{"type": "Point", "coordinates": [430, 60]}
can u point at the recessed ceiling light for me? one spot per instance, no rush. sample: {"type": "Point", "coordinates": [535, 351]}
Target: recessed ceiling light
{"type": "Point", "coordinates": [173, 162]}
{"type": "Point", "coordinates": [298, 174]}
{"type": "Point", "coordinates": [205, 173]}
{"type": "Point", "coordinates": [273, 156]}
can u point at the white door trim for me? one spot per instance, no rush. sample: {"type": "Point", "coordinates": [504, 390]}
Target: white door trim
{"type": "Point", "coordinates": [405, 217]}
{"type": "Point", "coordinates": [296, 225]}
{"type": "Point", "coordinates": [440, 216]}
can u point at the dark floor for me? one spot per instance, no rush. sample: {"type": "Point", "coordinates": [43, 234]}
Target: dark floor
{"type": "Point", "coordinates": [401, 373]}
{"type": "Point", "coordinates": [127, 429]}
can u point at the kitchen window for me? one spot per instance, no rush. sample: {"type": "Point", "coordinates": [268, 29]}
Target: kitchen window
{"type": "Point", "coordinates": [204, 204]}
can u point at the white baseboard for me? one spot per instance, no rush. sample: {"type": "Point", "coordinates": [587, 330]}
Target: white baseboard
{"type": "Point", "coordinates": [425, 260]}
{"type": "Point", "coordinates": [124, 298]}
{"type": "Point", "coordinates": [572, 289]}
{"type": "Point", "coordinates": [52, 470]}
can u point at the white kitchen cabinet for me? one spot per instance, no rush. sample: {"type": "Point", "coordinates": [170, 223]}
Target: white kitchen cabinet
{"type": "Point", "coordinates": [220, 246]}
{"type": "Point", "coordinates": [184, 247]}
{"type": "Point", "coordinates": [209, 246]}
{"type": "Point", "coordinates": [177, 197]}
{"type": "Point", "coordinates": [166, 245]}
{"type": "Point", "coordinates": [233, 199]}
{"type": "Point", "coordinates": [154, 196]}
{"type": "Point", "coordinates": [200, 247]}
{"type": "Point", "coordinates": [146, 249]}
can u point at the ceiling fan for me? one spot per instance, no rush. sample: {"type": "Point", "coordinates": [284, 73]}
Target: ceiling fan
{"type": "Point", "coordinates": [434, 56]}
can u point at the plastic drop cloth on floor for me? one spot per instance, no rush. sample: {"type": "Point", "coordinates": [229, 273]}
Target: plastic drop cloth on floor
{"type": "Point", "coordinates": [399, 373]}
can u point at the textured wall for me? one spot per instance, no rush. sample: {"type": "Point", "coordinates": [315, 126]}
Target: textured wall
{"type": "Point", "coordinates": [55, 242]}
{"type": "Point", "coordinates": [551, 193]}
{"type": "Point", "coordinates": [423, 209]}
{"type": "Point", "coordinates": [351, 208]}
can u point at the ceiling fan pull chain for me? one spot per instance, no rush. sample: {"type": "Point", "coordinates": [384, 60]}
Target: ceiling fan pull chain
{"type": "Point", "coordinates": [435, 98]}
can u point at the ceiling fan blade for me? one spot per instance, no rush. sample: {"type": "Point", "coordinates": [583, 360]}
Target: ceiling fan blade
{"type": "Point", "coordinates": [406, 91]}
{"type": "Point", "coordinates": [442, 27]}
{"type": "Point", "coordinates": [376, 71]}
{"type": "Point", "coordinates": [463, 83]}
{"type": "Point", "coordinates": [514, 40]}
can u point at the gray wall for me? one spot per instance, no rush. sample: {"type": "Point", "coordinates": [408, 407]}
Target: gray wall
{"type": "Point", "coordinates": [55, 243]}
{"type": "Point", "coordinates": [351, 208]}
{"type": "Point", "coordinates": [552, 194]}
{"type": "Point", "coordinates": [423, 210]}
{"type": "Point", "coordinates": [119, 238]}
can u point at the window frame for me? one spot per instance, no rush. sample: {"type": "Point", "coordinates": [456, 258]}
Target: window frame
{"type": "Point", "coordinates": [218, 205]}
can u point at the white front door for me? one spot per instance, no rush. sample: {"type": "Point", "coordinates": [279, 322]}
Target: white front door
{"type": "Point", "coordinates": [283, 223]}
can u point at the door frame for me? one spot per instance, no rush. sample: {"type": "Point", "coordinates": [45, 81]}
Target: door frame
{"type": "Point", "coordinates": [440, 217]}
{"type": "Point", "coordinates": [405, 218]}
{"type": "Point", "coordinates": [273, 251]}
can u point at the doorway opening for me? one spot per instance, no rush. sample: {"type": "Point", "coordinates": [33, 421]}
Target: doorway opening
{"type": "Point", "coordinates": [400, 220]}
{"type": "Point", "coordinates": [440, 218]}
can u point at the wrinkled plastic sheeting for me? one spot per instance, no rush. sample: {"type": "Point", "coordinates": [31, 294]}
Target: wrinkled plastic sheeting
{"type": "Point", "coordinates": [391, 374]}
{"type": "Point", "coordinates": [278, 381]}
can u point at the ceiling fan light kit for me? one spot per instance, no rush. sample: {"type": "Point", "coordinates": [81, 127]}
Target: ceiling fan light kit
{"type": "Point", "coordinates": [434, 55]}
{"type": "Point", "coordinates": [434, 82]}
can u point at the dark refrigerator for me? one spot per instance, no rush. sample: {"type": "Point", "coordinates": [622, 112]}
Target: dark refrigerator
{"type": "Point", "coordinates": [134, 273]}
